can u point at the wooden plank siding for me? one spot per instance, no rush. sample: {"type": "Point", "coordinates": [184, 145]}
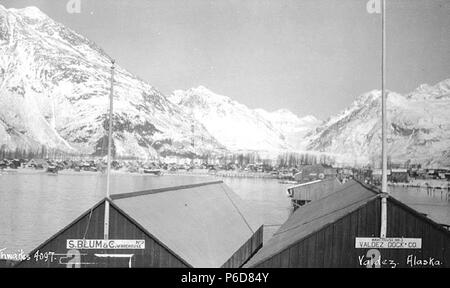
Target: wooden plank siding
{"type": "Point", "coordinates": [334, 244]}
{"type": "Point", "coordinates": [90, 226]}
{"type": "Point", "coordinates": [246, 251]}
{"type": "Point", "coordinates": [406, 222]}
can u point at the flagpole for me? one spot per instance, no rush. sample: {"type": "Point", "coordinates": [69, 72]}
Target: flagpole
{"type": "Point", "coordinates": [108, 173]}
{"type": "Point", "coordinates": [384, 188]}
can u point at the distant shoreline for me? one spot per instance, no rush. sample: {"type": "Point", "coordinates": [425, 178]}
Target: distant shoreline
{"type": "Point", "coordinates": [196, 172]}
{"type": "Point", "coordinates": [421, 183]}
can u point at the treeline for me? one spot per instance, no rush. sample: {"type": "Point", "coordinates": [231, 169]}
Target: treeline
{"type": "Point", "coordinates": [242, 159]}
{"type": "Point", "coordinates": [284, 160]}
{"type": "Point", "coordinates": [300, 159]}
{"type": "Point", "coordinates": [43, 153]}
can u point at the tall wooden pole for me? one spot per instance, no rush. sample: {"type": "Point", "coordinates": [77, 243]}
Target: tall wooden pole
{"type": "Point", "coordinates": [108, 173]}
{"type": "Point", "coordinates": [384, 187]}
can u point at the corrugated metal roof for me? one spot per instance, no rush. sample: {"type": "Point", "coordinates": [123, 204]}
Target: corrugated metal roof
{"type": "Point", "coordinates": [314, 216]}
{"type": "Point", "coordinates": [205, 224]}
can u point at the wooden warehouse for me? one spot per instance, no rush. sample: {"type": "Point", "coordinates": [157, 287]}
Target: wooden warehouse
{"type": "Point", "coordinates": [342, 229]}
{"type": "Point", "coordinates": [197, 225]}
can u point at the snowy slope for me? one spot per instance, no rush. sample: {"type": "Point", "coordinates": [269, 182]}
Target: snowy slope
{"type": "Point", "coordinates": [419, 128]}
{"type": "Point", "coordinates": [238, 127]}
{"type": "Point", "coordinates": [293, 128]}
{"type": "Point", "coordinates": [54, 89]}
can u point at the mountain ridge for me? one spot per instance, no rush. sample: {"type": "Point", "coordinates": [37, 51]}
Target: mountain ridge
{"type": "Point", "coordinates": [55, 87]}
{"type": "Point", "coordinates": [54, 92]}
{"type": "Point", "coordinates": [237, 126]}
{"type": "Point", "coordinates": [418, 122]}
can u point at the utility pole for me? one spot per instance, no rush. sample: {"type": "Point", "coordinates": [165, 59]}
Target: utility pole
{"type": "Point", "coordinates": [108, 174]}
{"type": "Point", "coordinates": [384, 188]}
{"type": "Point", "coordinates": [193, 143]}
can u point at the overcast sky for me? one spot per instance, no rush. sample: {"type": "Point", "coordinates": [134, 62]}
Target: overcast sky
{"type": "Point", "coordinates": [310, 56]}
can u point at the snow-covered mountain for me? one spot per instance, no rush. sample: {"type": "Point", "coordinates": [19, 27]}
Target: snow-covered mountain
{"type": "Point", "coordinates": [238, 127]}
{"type": "Point", "coordinates": [54, 91]}
{"type": "Point", "coordinates": [419, 128]}
{"type": "Point", "coordinates": [293, 128]}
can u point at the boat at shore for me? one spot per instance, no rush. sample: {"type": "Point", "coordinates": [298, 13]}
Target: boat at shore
{"type": "Point", "coordinates": [152, 171]}
{"type": "Point", "coordinates": [52, 170]}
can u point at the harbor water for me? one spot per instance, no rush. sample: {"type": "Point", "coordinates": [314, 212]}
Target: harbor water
{"type": "Point", "coordinates": [34, 206]}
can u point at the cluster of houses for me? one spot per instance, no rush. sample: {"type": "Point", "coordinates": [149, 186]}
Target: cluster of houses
{"type": "Point", "coordinates": [405, 175]}
{"type": "Point", "coordinates": [299, 174]}
{"type": "Point", "coordinates": [99, 165]}
{"type": "Point", "coordinates": [368, 175]}
{"type": "Point", "coordinates": [91, 165]}
{"type": "Point", "coordinates": [50, 165]}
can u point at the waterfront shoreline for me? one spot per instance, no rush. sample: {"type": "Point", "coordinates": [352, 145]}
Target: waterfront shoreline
{"type": "Point", "coordinates": [424, 183]}
{"type": "Point", "coordinates": [196, 172]}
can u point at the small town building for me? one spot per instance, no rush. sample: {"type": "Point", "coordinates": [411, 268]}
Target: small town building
{"type": "Point", "coordinates": [37, 164]}
{"type": "Point", "coordinates": [399, 175]}
{"type": "Point", "coordinates": [342, 230]}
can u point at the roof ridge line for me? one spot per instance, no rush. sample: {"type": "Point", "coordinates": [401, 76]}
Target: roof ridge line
{"type": "Point", "coordinates": [238, 210]}
{"type": "Point", "coordinates": [368, 186]}
{"type": "Point", "coordinates": [325, 215]}
{"type": "Point", "coordinates": [161, 190]}
{"type": "Point", "coordinates": [340, 188]}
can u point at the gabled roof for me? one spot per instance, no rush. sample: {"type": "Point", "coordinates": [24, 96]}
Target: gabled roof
{"type": "Point", "coordinates": [311, 218]}
{"type": "Point", "coordinates": [67, 227]}
{"type": "Point", "coordinates": [205, 224]}
{"type": "Point", "coordinates": [314, 216]}
{"type": "Point", "coordinates": [202, 224]}
{"type": "Point", "coordinates": [37, 161]}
